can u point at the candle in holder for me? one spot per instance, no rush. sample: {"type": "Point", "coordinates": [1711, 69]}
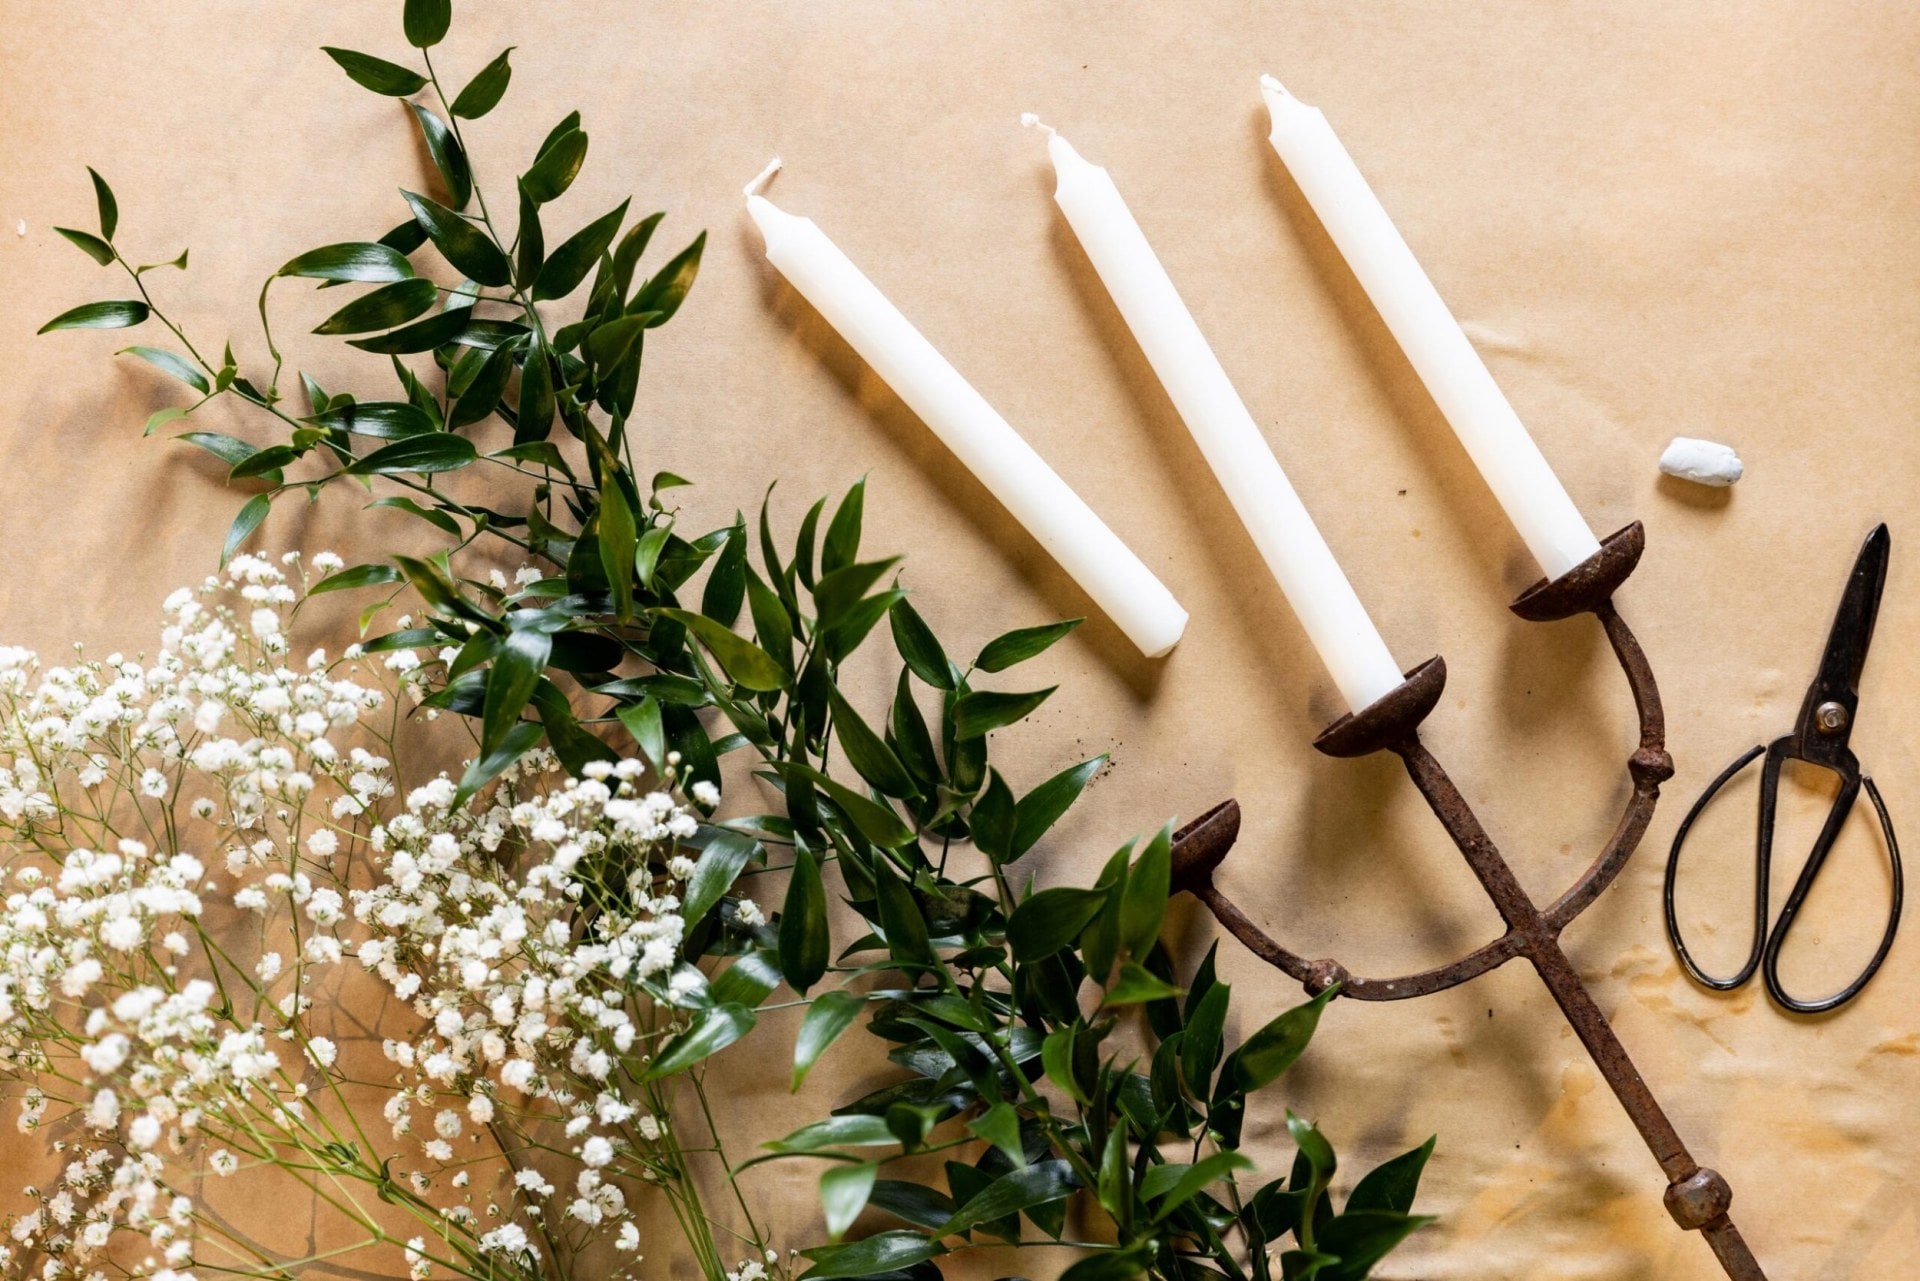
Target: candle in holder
{"type": "Point", "coordinates": [1123, 587]}
{"type": "Point", "coordinates": [1437, 348]}
{"type": "Point", "coordinates": [1335, 620]}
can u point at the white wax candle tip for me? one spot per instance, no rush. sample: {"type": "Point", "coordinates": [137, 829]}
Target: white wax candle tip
{"type": "Point", "coordinates": [1032, 121]}
{"type": "Point", "coordinates": [1271, 84]}
{"type": "Point", "coordinates": [760, 180]}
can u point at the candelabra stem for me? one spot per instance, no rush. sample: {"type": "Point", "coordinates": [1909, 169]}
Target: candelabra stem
{"type": "Point", "coordinates": [1697, 1198]}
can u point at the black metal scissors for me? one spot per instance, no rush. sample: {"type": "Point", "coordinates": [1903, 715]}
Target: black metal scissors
{"type": "Point", "coordinates": [1819, 738]}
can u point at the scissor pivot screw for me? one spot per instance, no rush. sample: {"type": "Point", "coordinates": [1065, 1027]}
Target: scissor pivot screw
{"type": "Point", "coordinates": [1830, 717]}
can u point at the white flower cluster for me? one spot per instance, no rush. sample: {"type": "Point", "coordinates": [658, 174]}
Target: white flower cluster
{"type": "Point", "coordinates": [100, 978]}
{"type": "Point", "coordinates": [525, 968]}
{"type": "Point", "coordinates": [194, 839]}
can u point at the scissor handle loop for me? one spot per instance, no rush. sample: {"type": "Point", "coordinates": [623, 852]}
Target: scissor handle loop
{"type": "Point", "coordinates": [1763, 866]}
{"type": "Point", "coordinates": [1789, 911]}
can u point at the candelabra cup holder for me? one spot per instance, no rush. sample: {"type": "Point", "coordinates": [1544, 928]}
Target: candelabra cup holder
{"type": "Point", "coordinates": [1698, 1198]}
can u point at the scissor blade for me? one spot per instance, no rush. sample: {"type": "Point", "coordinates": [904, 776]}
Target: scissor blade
{"type": "Point", "coordinates": [1846, 655]}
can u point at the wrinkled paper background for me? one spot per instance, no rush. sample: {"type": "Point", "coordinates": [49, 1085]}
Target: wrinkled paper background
{"type": "Point", "coordinates": [1653, 218]}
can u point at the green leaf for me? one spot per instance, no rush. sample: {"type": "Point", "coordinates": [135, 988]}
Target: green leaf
{"type": "Point", "coordinates": [362, 260]}
{"type": "Point", "coordinates": [911, 740]}
{"type": "Point", "coordinates": [772, 626]}
{"type": "Point", "coordinates": [98, 315]}
{"type": "Point", "coordinates": [1313, 1146]}
{"type": "Point", "coordinates": [1144, 901]}
{"type": "Point", "coordinates": [510, 682]}
{"type": "Point", "coordinates": [609, 344]}
{"type": "Point", "coordinates": [1136, 986]}
{"type": "Point", "coordinates": [244, 524]}
{"type": "Point", "coordinates": [558, 164]}
{"type": "Point", "coordinates": [662, 295]}
{"type": "Point", "coordinates": [438, 519]}
{"type": "Point", "coordinates": [843, 533]}
{"type": "Point", "coordinates": [377, 74]}
{"type": "Point", "coordinates": [461, 243]}
{"type": "Point", "coordinates": [179, 366]}
{"type": "Point", "coordinates": [531, 251]}
{"type": "Point", "coordinates": [89, 244]}
{"type": "Point", "coordinates": [1003, 652]}
{"type": "Point", "coordinates": [448, 156]}
{"type": "Point", "coordinates": [161, 417]}
{"type": "Point", "coordinates": [1114, 1192]}
{"type": "Point", "coordinates": [518, 742]}
{"type": "Point", "coordinates": [1173, 1185]}
{"type": "Point", "coordinates": [1391, 1185]}
{"type": "Point", "coordinates": [837, 593]}
{"type": "Point", "coordinates": [617, 540]}
{"type": "Point", "coordinates": [1206, 1028]}
{"type": "Point", "coordinates": [918, 646]}
{"type": "Point", "coordinates": [715, 872]}
{"type": "Point", "coordinates": [385, 307]}
{"type": "Point", "coordinates": [1273, 1049]}
{"type": "Point", "coordinates": [830, 1014]}
{"type": "Point", "coordinates": [263, 462]}
{"type": "Point", "coordinates": [883, 1252]}
{"type": "Point", "coordinates": [226, 448]}
{"type": "Point", "coordinates": [1113, 1264]}
{"type": "Point", "coordinates": [981, 711]}
{"type": "Point", "coordinates": [1050, 920]}
{"type": "Point", "coordinates": [432, 452]}
{"type": "Point", "coordinates": [422, 335]}
{"type": "Point", "coordinates": [482, 395]}
{"type": "Point", "coordinates": [426, 21]}
{"type": "Point", "coordinates": [569, 264]}
{"type": "Point", "coordinates": [1000, 1126]}
{"type": "Point", "coordinates": [992, 819]}
{"type": "Point", "coordinates": [380, 419]}
{"type": "Point", "coordinates": [867, 753]}
{"type": "Point", "coordinates": [849, 1130]}
{"type": "Point", "coordinates": [405, 237]}
{"type": "Point", "coordinates": [1361, 1239]}
{"type": "Point", "coordinates": [746, 664]}
{"type": "Point", "coordinates": [875, 821]}
{"type": "Point", "coordinates": [483, 92]}
{"type": "Point", "coordinates": [843, 1194]}
{"type": "Point", "coordinates": [902, 921]}
{"type": "Point", "coordinates": [105, 204]}
{"type": "Point", "coordinates": [646, 552]}
{"type": "Point", "coordinates": [357, 576]}
{"type": "Point", "coordinates": [642, 720]}
{"type": "Point", "coordinates": [1041, 808]}
{"type": "Point", "coordinates": [713, 1030]}
{"type": "Point", "coordinates": [1017, 1190]}
{"type": "Point", "coordinates": [632, 245]}
{"type": "Point", "coordinates": [748, 981]}
{"type": "Point", "coordinates": [536, 395]}
{"type": "Point", "coordinates": [804, 940]}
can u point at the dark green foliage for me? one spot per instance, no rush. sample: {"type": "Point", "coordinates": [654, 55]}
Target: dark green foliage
{"type": "Point", "coordinates": [1002, 1006]}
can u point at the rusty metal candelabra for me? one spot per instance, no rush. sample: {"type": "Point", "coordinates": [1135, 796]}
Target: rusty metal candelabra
{"type": "Point", "coordinates": [1696, 1197]}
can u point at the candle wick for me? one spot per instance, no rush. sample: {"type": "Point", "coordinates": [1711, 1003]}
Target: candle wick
{"type": "Point", "coordinates": [753, 188]}
{"type": "Point", "coordinates": [1272, 85]}
{"type": "Point", "coordinates": [1032, 121]}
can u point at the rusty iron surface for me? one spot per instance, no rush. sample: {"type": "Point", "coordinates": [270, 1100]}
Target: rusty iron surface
{"type": "Point", "coordinates": [1698, 1198]}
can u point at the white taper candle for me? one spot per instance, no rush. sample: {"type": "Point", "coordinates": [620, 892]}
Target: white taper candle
{"type": "Point", "coordinates": [1455, 376]}
{"type": "Point", "coordinates": [1335, 620]}
{"type": "Point", "coordinates": [1123, 587]}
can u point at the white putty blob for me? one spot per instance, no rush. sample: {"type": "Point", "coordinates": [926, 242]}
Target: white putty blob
{"type": "Point", "coordinates": [1705, 462]}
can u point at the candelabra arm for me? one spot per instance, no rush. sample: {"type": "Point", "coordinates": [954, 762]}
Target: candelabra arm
{"type": "Point", "coordinates": [1697, 1198]}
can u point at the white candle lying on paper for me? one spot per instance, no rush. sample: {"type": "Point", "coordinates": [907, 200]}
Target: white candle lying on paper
{"type": "Point", "coordinates": [1106, 569]}
{"type": "Point", "coordinates": [1335, 620]}
{"type": "Point", "coordinates": [1452, 370]}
